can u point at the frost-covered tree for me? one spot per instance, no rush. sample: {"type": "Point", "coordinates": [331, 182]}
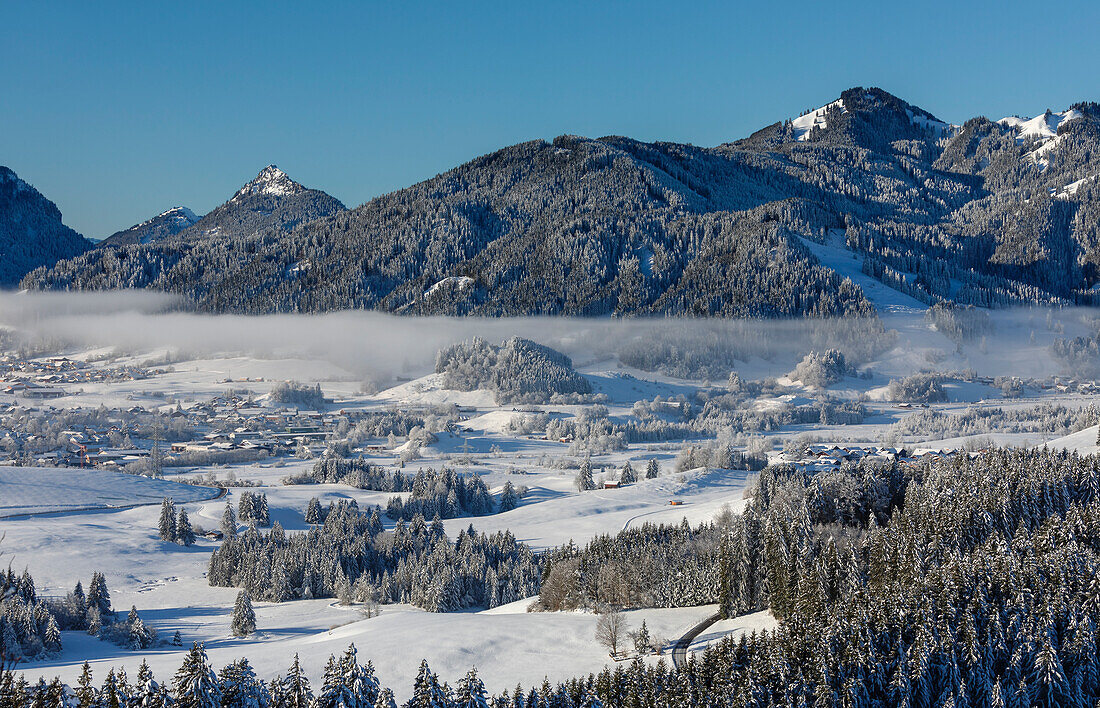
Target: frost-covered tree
{"type": "Point", "coordinates": [229, 521]}
{"type": "Point", "coordinates": [99, 596]}
{"type": "Point", "coordinates": [195, 684]}
{"type": "Point", "coordinates": [509, 499]}
{"type": "Point", "coordinates": [313, 511]}
{"type": "Point", "coordinates": [627, 474]}
{"type": "Point", "coordinates": [471, 692]}
{"type": "Point", "coordinates": [185, 535]}
{"type": "Point", "coordinates": [583, 481]}
{"type": "Point", "coordinates": [167, 525]}
{"type": "Point", "coordinates": [652, 469]}
{"type": "Point", "coordinates": [241, 689]}
{"type": "Point", "coordinates": [296, 692]}
{"type": "Point", "coordinates": [243, 622]}
{"type": "Point", "coordinates": [611, 628]}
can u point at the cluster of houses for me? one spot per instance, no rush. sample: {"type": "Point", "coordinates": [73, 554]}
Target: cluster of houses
{"type": "Point", "coordinates": [818, 458]}
{"type": "Point", "coordinates": [44, 378]}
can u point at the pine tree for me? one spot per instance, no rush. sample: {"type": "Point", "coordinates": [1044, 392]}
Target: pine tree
{"type": "Point", "coordinates": [139, 635]}
{"type": "Point", "coordinates": [295, 688]}
{"type": "Point", "coordinates": [509, 498]}
{"type": "Point", "coordinates": [241, 689]}
{"type": "Point", "coordinates": [246, 507]}
{"type": "Point", "coordinates": [313, 511]}
{"type": "Point", "coordinates": [244, 618]}
{"type": "Point", "coordinates": [360, 680]}
{"type": "Point", "coordinates": [93, 622]}
{"type": "Point", "coordinates": [99, 597]}
{"type": "Point", "coordinates": [642, 641]}
{"type": "Point", "coordinates": [471, 692]}
{"type": "Point", "coordinates": [584, 480]}
{"type": "Point", "coordinates": [53, 635]}
{"type": "Point", "coordinates": [627, 475]}
{"type": "Point", "coordinates": [148, 693]}
{"type": "Point", "coordinates": [85, 691]}
{"type": "Point", "coordinates": [167, 524]}
{"type": "Point", "coordinates": [229, 522]}
{"type": "Point", "coordinates": [195, 684]}
{"type": "Point", "coordinates": [427, 693]}
{"type": "Point", "coordinates": [334, 692]}
{"type": "Point", "coordinates": [652, 469]}
{"type": "Point", "coordinates": [109, 694]}
{"type": "Point", "coordinates": [185, 536]}
{"type": "Point", "coordinates": [263, 515]}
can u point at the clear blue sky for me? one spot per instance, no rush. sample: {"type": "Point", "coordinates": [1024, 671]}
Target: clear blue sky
{"type": "Point", "coordinates": [118, 111]}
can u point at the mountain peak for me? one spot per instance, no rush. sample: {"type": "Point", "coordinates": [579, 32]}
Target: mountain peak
{"type": "Point", "coordinates": [271, 180]}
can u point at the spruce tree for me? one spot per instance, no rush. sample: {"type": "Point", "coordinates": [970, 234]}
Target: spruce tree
{"type": "Point", "coordinates": [652, 469]}
{"type": "Point", "coordinates": [313, 511]}
{"type": "Point", "coordinates": [185, 536]}
{"type": "Point", "coordinates": [385, 699]}
{"type": "Point", "coordinates": [471, 692]}
{"type": "Point", "coordinates": [263, 515]}
{"type": "Point", "coordinates": [509, 499]}
{"type": "Point", "coordinates": [195, 684]}
{"type": "Point", "coordinates": [244, 618]}
{"type": "Point", "coordinates": [229, 522]}
{"type": "Point", "coordinates": [584, 480]}
{"type": "Point", "coordinates": [167, 526]}
{"type": "Point", "coordinates": [85, 690]}
{"type": "Point", "coordinates": [627, 475]}
{"type": "Point", "coordinates": [246, 507]}
{"type": "Point", "coordinates": [295, 689]}
{"type": "Point", "coordinates": [334, 692]}
{"type": "Point", "coordinates": [99, 597]}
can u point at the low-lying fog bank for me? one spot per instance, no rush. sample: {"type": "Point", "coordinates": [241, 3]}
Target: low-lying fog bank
{"type": "Point", "coordinates": [1031, 342]}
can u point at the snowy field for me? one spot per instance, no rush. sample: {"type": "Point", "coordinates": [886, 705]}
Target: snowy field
{"type": "Point", "coordinates": [63, 524]}
{"type": "Point", "coordinates": [38, 490]}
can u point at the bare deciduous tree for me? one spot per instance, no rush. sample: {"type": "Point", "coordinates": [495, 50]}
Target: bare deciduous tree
{"type": "Point", "coordinates": [611, 629]}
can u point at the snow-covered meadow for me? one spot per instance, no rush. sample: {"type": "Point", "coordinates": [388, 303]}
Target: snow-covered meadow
{"type": "Point", "coordinates": [63, 524]}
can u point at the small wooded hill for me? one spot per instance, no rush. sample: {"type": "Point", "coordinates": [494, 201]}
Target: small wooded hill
{"type": "Point", "coordinates": [986, 213]}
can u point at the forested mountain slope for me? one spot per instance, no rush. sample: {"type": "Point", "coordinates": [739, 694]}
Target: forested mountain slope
{"type": "Point", "coordinates": [986, 213]}
{"type": "Point", "coordinates": [31, 232]}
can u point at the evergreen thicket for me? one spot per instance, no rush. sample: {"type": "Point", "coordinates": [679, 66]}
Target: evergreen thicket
{"type": "Point", "coordinates": [969, 581]}
{"type": "Point", "coordinates": [350, 556]}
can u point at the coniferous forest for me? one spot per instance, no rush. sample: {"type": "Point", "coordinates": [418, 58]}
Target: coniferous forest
{"type": "Point", "coordinates": [969, 581]}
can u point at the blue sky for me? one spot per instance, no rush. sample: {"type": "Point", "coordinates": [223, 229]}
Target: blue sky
{"type": "Point", "coordinates": [118, 111]}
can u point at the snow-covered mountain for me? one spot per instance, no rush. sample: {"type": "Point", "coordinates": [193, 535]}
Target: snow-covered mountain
{"type": "Point", "coordinates": [984, 213]}
{"type": "Point", "coordinates": [31, 232]}
{"type": "Point", "coordinates": [271, 201]}
{"type": "Point", "coordinates": [163, 225]}
{"type": "Point", "coordinates": [271, 181]}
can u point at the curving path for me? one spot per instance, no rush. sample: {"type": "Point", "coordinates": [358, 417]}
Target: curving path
{"type": "Point", "coordinates": [680, 647]}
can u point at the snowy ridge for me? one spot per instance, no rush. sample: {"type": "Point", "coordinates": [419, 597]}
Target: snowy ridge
{"type": "Point", "coordinates": [1042, 127]}
{"type": "Point", "coordinates": [180, 215]}
{"type": "Point", "coordinates": [458, 282]}
{"type": "Point", "coordinates": [1070, 189]}
{"type": "Point", "coordinates": [802, 125]}
{"type": "Point", "coordinates": [272, 181]}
